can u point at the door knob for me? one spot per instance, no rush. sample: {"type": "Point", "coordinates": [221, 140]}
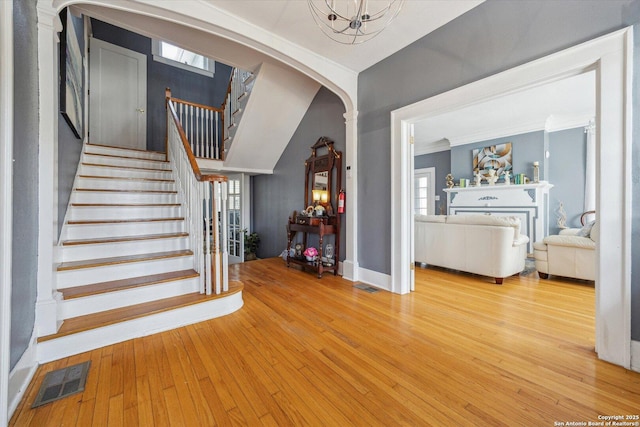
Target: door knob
{"type": "Point", "coordinates": [140, 110]}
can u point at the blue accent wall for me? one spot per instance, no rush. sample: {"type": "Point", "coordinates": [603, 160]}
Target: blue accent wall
{"type": "Point", "coordinates": [24, 263]}
{"type": "Point", "coordinates": [184, 84]}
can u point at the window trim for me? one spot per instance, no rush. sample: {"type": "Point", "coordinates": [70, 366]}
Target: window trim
{"type": "Point", "coordinates": [155, 50]}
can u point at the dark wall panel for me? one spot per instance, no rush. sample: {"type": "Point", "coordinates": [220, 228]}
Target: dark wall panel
{"type": "Point", "coordinates": [25, 178]}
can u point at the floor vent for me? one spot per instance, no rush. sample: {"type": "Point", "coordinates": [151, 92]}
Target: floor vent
{"type": "Point", "coordinates": [366, 288]}
{"type": "Point", "coordinates": [62, 383]}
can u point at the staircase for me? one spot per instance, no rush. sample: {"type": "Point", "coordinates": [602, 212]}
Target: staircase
{"type": "Point", "coordinates": [127, 269]}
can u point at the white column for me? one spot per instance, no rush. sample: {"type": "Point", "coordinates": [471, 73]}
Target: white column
{"type": "Point", "coordinates": [350, 263]}
{"type": "Point", "coordinates": [6, 194]}
{"type": "Point", "coordinates": [48, 27]}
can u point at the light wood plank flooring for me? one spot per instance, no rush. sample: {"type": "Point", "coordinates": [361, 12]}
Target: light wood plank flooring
{"type": "Point", "coordinates": [303, 351]}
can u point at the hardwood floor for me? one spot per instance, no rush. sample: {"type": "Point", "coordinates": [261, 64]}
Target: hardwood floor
{"type": "Point", "coordinates": [303, 351]}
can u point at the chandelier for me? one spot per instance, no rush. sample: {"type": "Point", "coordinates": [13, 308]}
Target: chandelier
{"type": "Point", "coordinates": [354, 21]}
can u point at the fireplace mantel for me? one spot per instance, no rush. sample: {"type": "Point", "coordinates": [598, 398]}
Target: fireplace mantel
{"type": "Point", "coordinates": [529, 202]}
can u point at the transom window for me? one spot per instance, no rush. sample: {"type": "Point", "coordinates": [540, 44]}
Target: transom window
{"type": "Point", "coordinates": [178, 57]}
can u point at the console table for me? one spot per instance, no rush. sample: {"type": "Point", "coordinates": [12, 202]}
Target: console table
{"type": "Point", "coordinates": [322, 226]}
{"type": "Point", "coordinates": [529, 202]}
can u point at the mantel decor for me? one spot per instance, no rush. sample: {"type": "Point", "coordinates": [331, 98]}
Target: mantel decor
{"type": "Point", "coordinates": [496, 158]}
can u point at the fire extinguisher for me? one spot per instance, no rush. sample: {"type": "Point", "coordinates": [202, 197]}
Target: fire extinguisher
{"type": "Point", "coordinates": [341, 197]}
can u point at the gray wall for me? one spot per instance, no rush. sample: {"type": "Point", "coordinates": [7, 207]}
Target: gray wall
{"type": "Point", "coordinates": [184, 84]}
{"type": "Point", "coordinates": [493, 37]}
{"type": "Point", "coordinates": [69, 147]}
{"type": "Point", "coordinates": [25, 178]}
{"type": "Point", "coordinates": [442, 162]}
{"type": "Point", "coordinates": [276, 196]}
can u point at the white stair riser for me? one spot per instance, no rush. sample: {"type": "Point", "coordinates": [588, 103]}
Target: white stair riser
{"type": "Point", "coordinates": [89, 231]}
{"type": "Point", "coordinates": [121, 161]}
{"type": "Point", "coordinates": [115, 151]}
{"type": "Point", "coordinates": [85, 276]}
{"type": "Point", "coordinates": [123, 184]}
{"type": "Point", "coordinates": [107, 250]}
{"type": "Point", "coordinates": [112, 300]}
{"type": "Point", "coordinates": [86, 169]}
{"type": "Point", "coordinates": [119, 212]}
{"type": "Point", "coordinates": [118, 197]}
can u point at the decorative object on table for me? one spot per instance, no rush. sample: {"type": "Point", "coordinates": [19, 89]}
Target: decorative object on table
{"type": "Point", "coordinates": [319, 210]}
{"type": "Point", "coordinates": [298, 248]}
{"type": "Point", "coordinates": [492, 177]}
{"type": "Point", "coordinates": [463, 183]}
{"type": "Point", "coordinates": [478, 178]}
{"type": "Point", "coordinates": [449, 179]}
{"type": "Point", "coordinates": [496, 157]}
{"type": "Point", "coordinates": [562, 217]}
{"type": "Point", "coordinates": [251, 243]}
{"type": "Point", "coordinates": [311, 254]}
{"type": "Point", "coordinates": [328, 254]}
{"type": "Point", "coordinates": [536, 172]}
{"type": "Point", "coordinates": [521, 179]}
{"type": "Point", "coordinates": [310, 210]}
{"type": "Point", "coordinates": [507, 177]}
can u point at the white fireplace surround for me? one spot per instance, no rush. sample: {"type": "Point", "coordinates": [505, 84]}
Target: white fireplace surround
{"type": "Point", "coordinates": [529, 202]}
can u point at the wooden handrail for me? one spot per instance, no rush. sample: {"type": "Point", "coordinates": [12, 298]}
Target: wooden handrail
{"type": "Point", "coordinates": [194, 104]}
{"type": "Point", "coordinates": [192, 159]}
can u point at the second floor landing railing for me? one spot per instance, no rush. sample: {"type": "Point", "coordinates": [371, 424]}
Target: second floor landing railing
{"type": "Point", "coordinates": [203, 127]}
{"type": "Point", "coordinates": [205, 204]}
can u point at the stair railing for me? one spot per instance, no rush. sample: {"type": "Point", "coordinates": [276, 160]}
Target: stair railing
{"type": "Point", "coordinates": [205, 202]}
{"type": "Point", "coordinates": [203, 125]}
{"type": "Point", "coordinates": [237, 91]}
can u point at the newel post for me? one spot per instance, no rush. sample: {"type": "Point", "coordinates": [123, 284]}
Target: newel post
{"type": "Point", "coordinates": [167, 98]}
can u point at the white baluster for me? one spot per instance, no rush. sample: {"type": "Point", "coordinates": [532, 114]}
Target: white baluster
{"type": "Point", "coordinates": [216, 228]}
{"type": "Point", "coordinates": [224, 243]}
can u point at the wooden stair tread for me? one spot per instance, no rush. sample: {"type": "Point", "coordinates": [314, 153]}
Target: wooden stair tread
{"type": "Point", "coordinates": [101, 262]}
{"type": "Point", "coordinates": [115, 156]}
{"type": "Point", "coordinates": [118, 285]}
{"type": "Point", "coordinates": [108, 190]}
{"type": "Point", "coordinates": [125, 178]}
{"type": "Point", "coordinates": [141, 150]}
{"type": "Point", "coordinates": [126, 167]}
{"type": "Point", "coordinates": [121, 221]}
{"type": "Point", "coordinates": [110, 317]}
{"type": "Point", "coordinates": [123, 239]}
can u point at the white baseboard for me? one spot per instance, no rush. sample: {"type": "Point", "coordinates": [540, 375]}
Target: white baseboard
{"type": "Point", "coordinates": [349, 270]}
{"type": "Point", "coordinates": [635, 356]}
{"type": "Point", "coordinates": [373, 278]}
{"type": "Point", "coordinates": [21, 375]}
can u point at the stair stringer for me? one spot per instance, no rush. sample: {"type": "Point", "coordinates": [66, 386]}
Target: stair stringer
{"type": "Point", "coordinates": [279, 100]}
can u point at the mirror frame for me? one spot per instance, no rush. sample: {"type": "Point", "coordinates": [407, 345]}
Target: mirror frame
{"type": "Point", "coordinates": [329, 162]}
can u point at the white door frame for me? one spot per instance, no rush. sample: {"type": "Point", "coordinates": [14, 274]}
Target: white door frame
{"type": "Point", "coordinates": [611, 57]}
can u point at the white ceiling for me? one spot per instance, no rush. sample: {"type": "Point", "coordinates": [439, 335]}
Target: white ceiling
{"type": "Point", "coordinates": [564, 104]}
{"type": "Point", "coordinates": [292, 21]}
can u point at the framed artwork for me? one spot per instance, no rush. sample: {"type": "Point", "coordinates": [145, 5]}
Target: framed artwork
{"type": "Point", "coordinates": [496, 157]}
{"type": "Point", "coordinates": [71, 75]}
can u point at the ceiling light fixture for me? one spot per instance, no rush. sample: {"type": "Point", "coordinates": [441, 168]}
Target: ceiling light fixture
{"type": "Point", "coordinates": [354, 21]}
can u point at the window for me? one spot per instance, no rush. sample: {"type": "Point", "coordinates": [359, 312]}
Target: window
{"type": "Point", "coordinates": [424, 192]}
{"type": "Point", "coordinates": [176, 56]}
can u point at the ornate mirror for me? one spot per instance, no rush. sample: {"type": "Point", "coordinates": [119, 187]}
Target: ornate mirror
{"type": "Point", "coordinates": [323, 176]}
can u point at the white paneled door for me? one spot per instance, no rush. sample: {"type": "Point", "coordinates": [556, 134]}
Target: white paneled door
{"type": "Point", "coordinates": [118, 96]}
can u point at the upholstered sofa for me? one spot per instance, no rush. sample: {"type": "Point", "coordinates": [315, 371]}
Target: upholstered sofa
{"type": "Point", "coordinates": [482, 244]}
{"type": "Point", "coordinates": [572, 253]}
